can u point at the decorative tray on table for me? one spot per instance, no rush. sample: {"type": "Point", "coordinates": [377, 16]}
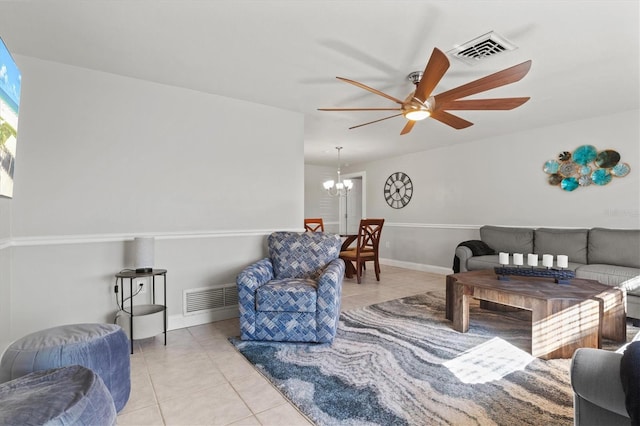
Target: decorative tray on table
{"type": "Point", "coordinates": [561, 276]}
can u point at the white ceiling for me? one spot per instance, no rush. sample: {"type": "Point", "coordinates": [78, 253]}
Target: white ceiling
{"type": "Point", "coordinates": [287, 53]}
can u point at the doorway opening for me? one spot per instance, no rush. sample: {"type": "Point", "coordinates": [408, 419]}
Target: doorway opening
{"type": "Point", "coordinates": [353, 206]}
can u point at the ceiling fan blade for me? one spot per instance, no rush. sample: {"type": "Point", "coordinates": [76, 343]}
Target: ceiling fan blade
{"type": "Point", "coordinates": [407, 127]}
{"type": "Point", "coordinates": [374, 121]}
{"type": "Point", "coordinates": [359, 109]}
{"type": "Point", "coordinates": [370, 89]}
{"type": "Point", "coordinates": [434, 71]}
{"type": "Point", "coordinates": [480, 104]}
{"type": "Point", "coordinates": [451, 120]}
{"type": "Point", "coordinates": [500, 78]}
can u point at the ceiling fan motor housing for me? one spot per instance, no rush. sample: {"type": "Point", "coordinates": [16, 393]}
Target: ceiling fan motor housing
{"type": "Point", "coordinates": [414, 109]}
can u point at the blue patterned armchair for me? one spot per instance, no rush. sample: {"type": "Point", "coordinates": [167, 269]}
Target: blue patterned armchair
{"type": "Point", "coordinates": [294, 294]}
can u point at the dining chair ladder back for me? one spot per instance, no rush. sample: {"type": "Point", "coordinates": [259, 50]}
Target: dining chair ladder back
{"type": "Point", "coordinates": [314, 224]}
{"type": "Point", "coordinates": [366, 249]}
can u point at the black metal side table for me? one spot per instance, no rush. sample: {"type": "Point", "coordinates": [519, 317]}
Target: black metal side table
{"type": "Point", "coordinates": [131, 276]}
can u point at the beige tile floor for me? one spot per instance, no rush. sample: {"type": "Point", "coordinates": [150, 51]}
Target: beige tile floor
{"type": "Point", "coordinates": [200, 379]}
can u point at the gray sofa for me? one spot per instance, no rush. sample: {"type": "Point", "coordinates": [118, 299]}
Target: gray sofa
{"type": "Point", "coordinates": [610, 256]}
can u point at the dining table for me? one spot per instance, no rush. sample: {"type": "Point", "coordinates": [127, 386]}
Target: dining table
{"type": "Point", "coordinates": [347, 240]}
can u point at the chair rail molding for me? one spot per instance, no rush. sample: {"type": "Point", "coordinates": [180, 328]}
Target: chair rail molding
{"type": "Point", "coordinates": [473, 227]}
{"type": "Point", "coordinates": [108, 238]}
{"type": "Point", "coordinates": [431, 225]}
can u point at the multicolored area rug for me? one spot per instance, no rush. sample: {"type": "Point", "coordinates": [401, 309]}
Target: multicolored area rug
{"type": "Point", "coordinates": [401, 363]}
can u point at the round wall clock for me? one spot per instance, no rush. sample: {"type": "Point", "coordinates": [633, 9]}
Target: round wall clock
{"type": "Point", "coordinates": [398, 190]}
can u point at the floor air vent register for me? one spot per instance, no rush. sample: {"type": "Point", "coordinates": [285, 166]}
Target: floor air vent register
{"type": "Point", "coordinates": [205, 299]}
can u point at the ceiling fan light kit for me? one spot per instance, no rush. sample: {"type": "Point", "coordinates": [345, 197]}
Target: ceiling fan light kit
{"type": "Point", "coordinates": [417, 114]}
{"type": "Point", "coordinates": [421, 104]}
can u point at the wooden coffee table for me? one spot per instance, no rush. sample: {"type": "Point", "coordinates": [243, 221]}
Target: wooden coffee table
{"type": "Point", "coordinates": [564, 317]}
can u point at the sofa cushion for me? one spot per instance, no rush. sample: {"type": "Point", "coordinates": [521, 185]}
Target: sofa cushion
{"type": "Point", "coordinates": [302, 254]}
{"type": "Point", "coordinates": [477, 263]}
{"type": "Point", "coordinates": [632, 287]}
{"type": "Point", "coordinates": [612, 275]}
{"type": "Point", "coordinates": [288, 295]}
{"type": "Point", "coordinates": [571, 242]}
{"type": "Point", "coordinates": [510, 240]}
{"type": "Point", "coordinates": [615, 247]}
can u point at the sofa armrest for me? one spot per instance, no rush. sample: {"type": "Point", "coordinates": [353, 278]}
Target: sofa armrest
{"type": "Point", "coordinates": [248, 282]}
{"type": "Point", "coordinates": [463, 254]}
{"type": "Point", "coordinates": [595, 377]}
{"type": "Point", "coordinates": [329, 298]}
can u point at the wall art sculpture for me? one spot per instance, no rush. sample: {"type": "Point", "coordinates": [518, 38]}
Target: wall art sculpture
{"type": "Point", "coordinates": [585, 166]}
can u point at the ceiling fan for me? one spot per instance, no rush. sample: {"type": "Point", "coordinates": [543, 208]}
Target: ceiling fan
{"type": "Point", "coordinates": [420, 104]}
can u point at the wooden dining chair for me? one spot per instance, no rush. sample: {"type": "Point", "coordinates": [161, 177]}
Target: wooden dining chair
{"type": "Point", "coordinates": [366, 249]}
{"type": "Point", "coordinates": [314, 224]}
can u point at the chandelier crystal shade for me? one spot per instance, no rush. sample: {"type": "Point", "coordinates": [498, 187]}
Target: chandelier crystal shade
{"type": "Point", "coordinates": [341, 187]}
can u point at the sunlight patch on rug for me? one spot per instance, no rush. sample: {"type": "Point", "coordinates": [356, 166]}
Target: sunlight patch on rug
{"type": "Point", "coordinates": [488, 361]}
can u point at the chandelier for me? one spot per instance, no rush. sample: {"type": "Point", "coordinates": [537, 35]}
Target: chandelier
{"type": "Point", "coordinates": [342, 187]}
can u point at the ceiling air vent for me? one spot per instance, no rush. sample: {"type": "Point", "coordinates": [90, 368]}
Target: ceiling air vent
{"type": "Point", "coordinates": [489, 44]}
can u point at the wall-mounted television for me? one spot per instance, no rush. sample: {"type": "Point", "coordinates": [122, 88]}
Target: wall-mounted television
{"type": "Point", "coordinates": [10, 81]}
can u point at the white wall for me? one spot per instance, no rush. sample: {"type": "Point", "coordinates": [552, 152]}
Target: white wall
{"type": "Point", "coordinates": [500, 181]}
{"type": "Point", "coordinates": [103, 158]}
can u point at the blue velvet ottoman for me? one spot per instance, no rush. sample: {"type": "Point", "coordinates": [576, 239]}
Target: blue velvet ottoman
{"type": "Point", "coordinates": [71, 395]}
{"type": "Point", "coordinates": [103, 348]}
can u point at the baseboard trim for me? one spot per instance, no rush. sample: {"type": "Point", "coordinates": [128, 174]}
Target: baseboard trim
{"type": "Point", "coordinates": [175, 322]}
{"type": "Point", "coordinates": [417, 266]}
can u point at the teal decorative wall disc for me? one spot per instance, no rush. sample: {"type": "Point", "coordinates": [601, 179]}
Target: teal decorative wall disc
{"type": "Point", "coordinates": [584, 154]}
{"type": "Point", "coordinates": [585, 166]}
{"type": "Point", "coordinates": [601, 177]}
{"type": "Point", "coordinates": [569, 184]}
{"type": "Point", "coordinates": [620, 170]}
{"type": "Point", "coordinates": [551, 167]}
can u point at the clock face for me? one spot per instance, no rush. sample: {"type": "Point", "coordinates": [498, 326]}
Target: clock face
{"type": "Point", "coordinates": [398, 190]}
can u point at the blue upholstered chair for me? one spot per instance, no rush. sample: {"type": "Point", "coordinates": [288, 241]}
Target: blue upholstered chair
{"type": "Point", "coordinates": [294, 294]}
